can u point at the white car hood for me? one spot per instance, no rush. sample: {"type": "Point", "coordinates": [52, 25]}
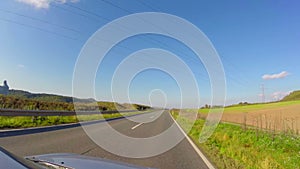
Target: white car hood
{"type": "Point", "coordinates": [81, 162]}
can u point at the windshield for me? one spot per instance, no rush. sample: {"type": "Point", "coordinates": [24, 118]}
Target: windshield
{"type": "Point", "coordinates": [150, 84]}
{"type": "Point", "coordinates": [9, 160]}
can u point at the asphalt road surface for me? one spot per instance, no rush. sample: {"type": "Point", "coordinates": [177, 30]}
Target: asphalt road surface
{"type": "Point", "coordinates": [75, 140]}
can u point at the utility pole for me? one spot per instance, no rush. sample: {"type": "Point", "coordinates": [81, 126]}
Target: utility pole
{"type": "Point", "coordinates": [263, 93]}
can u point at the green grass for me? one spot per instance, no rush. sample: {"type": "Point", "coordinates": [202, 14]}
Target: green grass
{"type": "Point", "coordinates": [253, 107]}
{"type": "Point", "coordinates": [230, 146]}
{"type": "Point", "coordinates": [25, 122]}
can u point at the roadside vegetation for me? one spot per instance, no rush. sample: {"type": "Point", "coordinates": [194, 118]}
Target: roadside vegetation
{"type": "Point", "coordinates": [25, 122]}
{"type": "Point", "coordinates": [22, 103]}
{"type": "Point", "coordinates": [241, 146]}
{"type": "Point", "coordinates": [16, 102]}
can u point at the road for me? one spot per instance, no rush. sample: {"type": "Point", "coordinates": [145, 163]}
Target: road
{"type": "Point", "coordinates": [75, 140]}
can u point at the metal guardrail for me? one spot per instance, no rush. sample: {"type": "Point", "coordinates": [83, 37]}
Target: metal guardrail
{"type": "Point", "coordinates": [17, 112]}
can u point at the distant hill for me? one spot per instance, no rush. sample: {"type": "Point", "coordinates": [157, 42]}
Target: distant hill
{"type": "Point", "coordinates": [19, 99]}
{"type": "Point", "coordinates": [45, 97]}
{"type": "Point", "coordinates": [292, 96]}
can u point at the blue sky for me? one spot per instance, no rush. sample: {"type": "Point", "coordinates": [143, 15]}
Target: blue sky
{"type": "Point", "coordinates": [41, 40]}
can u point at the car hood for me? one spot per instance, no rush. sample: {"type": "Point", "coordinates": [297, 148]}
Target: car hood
{"type": "Point", "coordinates": [80, 162]}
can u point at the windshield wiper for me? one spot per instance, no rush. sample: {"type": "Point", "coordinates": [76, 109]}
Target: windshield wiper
{"type": "Point", "coordinates": [48, 164]}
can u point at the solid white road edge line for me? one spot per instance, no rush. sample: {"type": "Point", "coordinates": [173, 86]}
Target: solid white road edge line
{"type": "Point", "coordinates": [206, 161]}
{"type": "Point", "coordinates": [134, 127]}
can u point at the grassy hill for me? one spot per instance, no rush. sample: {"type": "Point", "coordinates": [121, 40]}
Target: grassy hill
{"type": "Point", "coordinates": [45, 97]}
{"type": "Point", "coordinates": [292, 96]}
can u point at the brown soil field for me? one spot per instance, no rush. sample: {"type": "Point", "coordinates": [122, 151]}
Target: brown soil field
{"type": "Point", "coordinates": [285, 118]}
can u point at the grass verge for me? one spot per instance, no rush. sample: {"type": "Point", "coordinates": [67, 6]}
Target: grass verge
{"type": "Point", "coordinates": [25, 122]}
{"type": "Point", "coordinates": [230, 146]}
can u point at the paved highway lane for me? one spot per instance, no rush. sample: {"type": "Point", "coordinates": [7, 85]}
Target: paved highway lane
{"type": "Point", "coordinates": [75, 140]}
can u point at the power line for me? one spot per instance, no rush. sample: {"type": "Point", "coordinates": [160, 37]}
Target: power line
{"type": "Point", "coordinates": [123, 28]}
{"type": "Point", "coordinates": [103, 18]}
{"type": "Point", "coordinates": [146, 5]}
{"type": "Point", "coordinates": [116, 6]}
{"type": "Point", "coordinates": [85, 11]}
{"type": "Point", "coordinates": [73, 12]}
{"type": "Point", "coordinates": [229, 76]}
{"type": "Point", "coordinates": [37, 28]}
{"type": "Point", "coordinates": [40, 20]}
{"type": "Point", "coordinates": [89, 12]}
{"type": "Point", "coordinates": [154, 40]}
{"type": "Point", "coordinates": [149, 6]}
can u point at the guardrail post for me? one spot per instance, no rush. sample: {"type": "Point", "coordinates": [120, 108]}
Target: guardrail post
{"type": "Point", "coordinates": [34, 119]}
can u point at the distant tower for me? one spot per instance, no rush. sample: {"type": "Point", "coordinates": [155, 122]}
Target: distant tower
{"type": "Point", "coordinates": [5, 88]}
